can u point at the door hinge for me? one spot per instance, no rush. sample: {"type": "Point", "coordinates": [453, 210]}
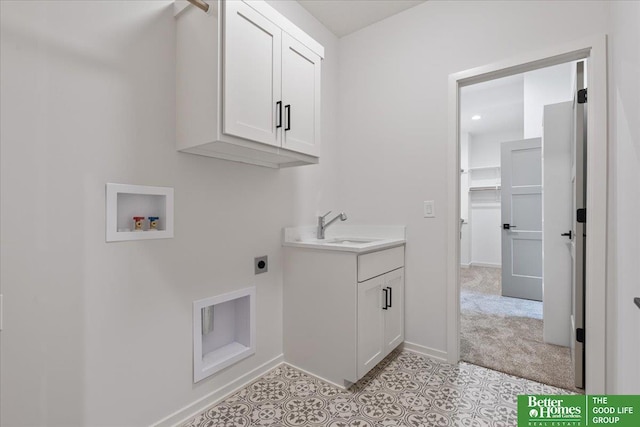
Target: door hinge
{"type": "Point", "coordinates": [580, 335]}
{"type": "Point", "coordinates": [582, 96]}
{"type": "Point", "coordinates": [581, 215]}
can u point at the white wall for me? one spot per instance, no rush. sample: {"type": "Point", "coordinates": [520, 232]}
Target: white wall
{"type": "Point", "coordinates": [99, 334]}
{"type": "Point", "coordinates": [484, 149]}
{"type": "Point", "coordinates": [96, 333]}
{"type": "Point", "coordinates": [393, 119]}
{"type": "Point", "coordinates": [486, 249]}
{"type": "Point", "coordinates": [623, 317]}
{"type": "Point", "coordinates": [486, 235]}
{"type": "Point", "coordinates": [545, 86]}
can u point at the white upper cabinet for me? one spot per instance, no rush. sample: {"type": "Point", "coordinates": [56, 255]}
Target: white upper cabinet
{"type": "Point", "coordinates": [252, 74]}
{"type": "Point", "coordinates": [301, 97]}
{"type": "Point", "coordinates": [248, 85]}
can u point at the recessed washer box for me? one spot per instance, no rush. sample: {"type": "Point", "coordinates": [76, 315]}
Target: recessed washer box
{"type": "Point", "coordinates": [223, 331]}
{"type": "Point", "coordinates": [125, 201]}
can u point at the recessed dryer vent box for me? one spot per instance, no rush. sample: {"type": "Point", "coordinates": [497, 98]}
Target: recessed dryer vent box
{"type": "Point", "coordinates": [223, 331]}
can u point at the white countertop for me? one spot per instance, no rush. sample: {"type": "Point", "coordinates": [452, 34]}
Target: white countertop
{"type": "Point", "coordinates": [346, 238]}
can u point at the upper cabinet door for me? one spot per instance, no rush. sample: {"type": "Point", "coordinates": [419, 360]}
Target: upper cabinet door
{"type": "Point", "coordinates": [301, 97]}
{"type": "Point", "coordinates": [252, 74]}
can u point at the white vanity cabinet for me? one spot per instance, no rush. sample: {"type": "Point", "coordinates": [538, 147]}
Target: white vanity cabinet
{"type": "Point", "coordinates": [248, 85]}
{"type": "Point", "coordinates": [343, 311]}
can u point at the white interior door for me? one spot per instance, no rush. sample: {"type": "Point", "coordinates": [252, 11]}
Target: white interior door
{"type": "Point", "coordinates": [465, 243]}
{"type": "Point", "coordinates": [521, 164]}
{"type": "Point", "coordinates": [252, 74]}
{"type": "Point", "coordinates": [556, 222]}
{"type": "Point", "coordinates": [578, 179]}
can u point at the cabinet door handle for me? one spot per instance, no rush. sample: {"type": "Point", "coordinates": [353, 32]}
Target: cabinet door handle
{"type": "Point", "coordinates": [386, 294]}
{"type": "Point", "coordinates": [279, 114]}
{"type": "Point", "coordinates": [288, 108]}
{"type": "Point", "coordinates": [390, 296]}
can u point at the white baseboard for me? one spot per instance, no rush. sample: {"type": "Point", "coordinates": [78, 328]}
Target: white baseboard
{"type": "Point", "coordinates": [440, 356]}
{"type": "Point", "coordinates": [341, 387]}
{"type": "Point", "coordinates": [194, 408]}
{"type": "Point", "coordinates": [465, 265]}
{"type": "Point", "coordinates": [485, 264]}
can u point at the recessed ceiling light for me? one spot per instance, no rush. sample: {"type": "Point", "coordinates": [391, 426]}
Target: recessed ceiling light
{"type": "Point", "coordinates": [476, 117]}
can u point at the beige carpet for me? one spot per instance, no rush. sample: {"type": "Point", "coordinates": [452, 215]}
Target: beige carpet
{"type": "Point", "coordinates": [505, 334]}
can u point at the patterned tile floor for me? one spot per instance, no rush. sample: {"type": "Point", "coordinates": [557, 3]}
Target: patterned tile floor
{"type": "Point", "coordinates": [405, 389]}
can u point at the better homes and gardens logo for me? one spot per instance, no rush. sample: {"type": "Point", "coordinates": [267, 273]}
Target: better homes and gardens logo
{"type": "Point", "coordinates": [579, 411]}
{"type": "Point", "coordinates": [551, 411]}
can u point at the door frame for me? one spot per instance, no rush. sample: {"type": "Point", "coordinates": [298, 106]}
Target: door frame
{"type": "Point", "coordinates": [595, 49]}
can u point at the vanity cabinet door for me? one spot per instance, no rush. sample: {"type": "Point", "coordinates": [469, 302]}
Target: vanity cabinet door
{"type": "Point", "coordinates": [252, 75]}
{"type": "Point", "coordinates": [394, 315]}
{"type": "Point", "coordinates": [371, 309]}
{"type": "Point", "coordinates": [380, 318]}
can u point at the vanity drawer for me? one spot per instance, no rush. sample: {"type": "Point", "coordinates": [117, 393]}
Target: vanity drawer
{"type": "Point", "coordinates": [376, 263]}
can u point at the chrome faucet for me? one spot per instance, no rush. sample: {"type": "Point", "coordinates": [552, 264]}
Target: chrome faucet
{"type": "Point", "coordinates": [322, 225]}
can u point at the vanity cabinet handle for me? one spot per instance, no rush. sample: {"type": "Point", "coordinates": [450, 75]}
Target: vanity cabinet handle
{"type": "Point", "coordinates": [386, 294]}
{"type": "Point", "coordinates": [390, 296]}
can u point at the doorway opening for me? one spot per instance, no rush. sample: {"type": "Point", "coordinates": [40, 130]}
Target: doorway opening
{"type": "Point", "coordinates": [515, 206]}
{"type": "Point", "coordinates": [595, 167]}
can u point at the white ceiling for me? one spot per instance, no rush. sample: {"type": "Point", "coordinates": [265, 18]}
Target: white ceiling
{"type": "Point", "coordinates": [344, 17]}
{"type": "Point", "coordinates": [499, 102]}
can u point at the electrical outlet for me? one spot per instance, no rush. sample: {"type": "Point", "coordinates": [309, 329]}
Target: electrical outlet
{"type": "Point", "coordinates": [261, 264]}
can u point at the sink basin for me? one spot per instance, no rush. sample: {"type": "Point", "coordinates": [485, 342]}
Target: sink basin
{"type": "Point", "coordinates": [349, 241]}
{"type": "Point", "coordinates": [341, 238]}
